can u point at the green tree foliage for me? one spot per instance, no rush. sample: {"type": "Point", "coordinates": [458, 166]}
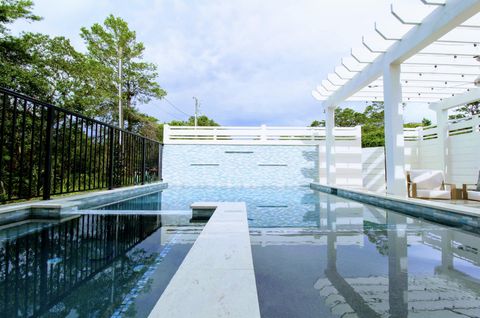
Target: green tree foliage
{"type": "Point", "coordinates": [12, 10]}
{"type": "Point", "coordinates": [201, 121]}
{"type": "Point", "coordinates": [468, 110]}
{"type": "Point", "coordinates": [371, 120]}
{"type": "Point", "coordinates": [114, 41]}
{"type": "Point", "coordinates": [48, 68]}
{"type": "Point", "coordinates": [318, 123]}
{"type": "Point", "coordinates": [51, 70]}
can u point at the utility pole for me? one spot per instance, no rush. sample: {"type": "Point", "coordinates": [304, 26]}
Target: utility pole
{"type": "Point", "coordinates": [197, 107]}
{"type": "Point", "coordinates": [120, 115]}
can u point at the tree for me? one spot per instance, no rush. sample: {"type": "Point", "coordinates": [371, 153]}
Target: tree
{"type": "Point", "coordinates": [201, 121]}
{"type": "Point", "coordinates": [12, 10]}
{"type": "Point", "coordinates": [113, 42]}
{"type": "Point", "coordinates": [371, 120]}
{"type": "Point", "coordinates": [468, 110]}
{"type": "Point", "coordinates": [318, 123]}
{"type": "Point", "coordinates": [347, 117]}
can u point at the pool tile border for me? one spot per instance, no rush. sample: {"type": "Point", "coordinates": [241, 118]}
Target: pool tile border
{"type": "Point", "coordinates": [216, 278]}
{"type": "Point", "coordinates": [449, 214]}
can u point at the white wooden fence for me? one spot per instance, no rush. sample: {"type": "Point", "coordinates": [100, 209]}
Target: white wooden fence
{"type": "Point", "coordinates": [262, 135]}
{"type": "Point", "coordinates": [458, 154]}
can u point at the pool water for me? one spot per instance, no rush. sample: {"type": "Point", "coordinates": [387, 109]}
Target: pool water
{"type": "Point", "coordinates": [314, 255]}
{"type": "Point", "coordinates": [88, 265]}
{"type": "Point", "coordinates": [362, 261]}
{"type": "Point", "coordinates": [318, 255]}
{"type": "Point", "coordinates": [266, 206]}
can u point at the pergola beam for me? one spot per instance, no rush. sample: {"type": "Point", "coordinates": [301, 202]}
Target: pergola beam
{"type": "Point", "coordinates": [472, 96]}
{"type": "Point", "coordinates": [442, 20]}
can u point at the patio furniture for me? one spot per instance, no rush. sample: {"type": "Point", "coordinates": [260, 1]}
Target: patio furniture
{"type": "Point", "coordinates": [472, 191]}
{"type": "Point", "coordinates": [429, 184]}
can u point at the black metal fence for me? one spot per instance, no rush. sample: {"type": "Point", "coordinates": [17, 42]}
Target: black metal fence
{"type": "Point", "coordinates": [46, 150]}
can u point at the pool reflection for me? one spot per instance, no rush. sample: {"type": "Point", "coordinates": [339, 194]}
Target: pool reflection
{"type": "Point", "coordinates": [84, 265]}
{"type": "Point", "coordinates": [363, 261]}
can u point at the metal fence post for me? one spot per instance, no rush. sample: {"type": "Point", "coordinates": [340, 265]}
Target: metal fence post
{"type": "Point", "coordinates": [47, 177]}
{"type": "Point", "coordinates": [111, 158]}
{"type": "Point", "coordinates": [144, 158]}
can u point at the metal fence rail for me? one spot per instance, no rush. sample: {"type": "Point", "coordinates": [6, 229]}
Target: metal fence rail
{"type": "Point", "coordinates": [46, 150]}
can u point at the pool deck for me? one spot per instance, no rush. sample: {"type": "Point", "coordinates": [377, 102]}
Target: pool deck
{"type": "Point", "coordinates": [217, 278]}
{"type": "Point", "coordinates": [439, 211]}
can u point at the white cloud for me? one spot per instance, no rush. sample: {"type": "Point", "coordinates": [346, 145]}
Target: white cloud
{"type": "Point", "coordinates": [249, 62]}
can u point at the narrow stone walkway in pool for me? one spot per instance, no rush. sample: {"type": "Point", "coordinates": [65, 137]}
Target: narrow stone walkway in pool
{"type": "Point", "coordinates": [216, 279]}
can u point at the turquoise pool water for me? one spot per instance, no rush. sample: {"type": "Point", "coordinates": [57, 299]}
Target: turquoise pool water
{"type": "Point", "coordinates": [266, 206]}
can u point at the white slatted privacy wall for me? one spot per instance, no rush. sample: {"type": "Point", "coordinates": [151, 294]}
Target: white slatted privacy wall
{"type": "Point", "coordinates": [424, 150]}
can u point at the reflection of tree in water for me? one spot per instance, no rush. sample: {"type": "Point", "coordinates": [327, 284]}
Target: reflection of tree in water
{"type": "Point", "coordinates": [377, 234]}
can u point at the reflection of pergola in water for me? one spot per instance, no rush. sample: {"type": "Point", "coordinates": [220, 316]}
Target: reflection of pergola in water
{"type": "Point", "coordinates": [398, 295]}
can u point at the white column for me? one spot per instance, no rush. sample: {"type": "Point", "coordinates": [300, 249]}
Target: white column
{"type": "Point", "coordinates": [330, 144]}
{"type": "Point", "coordinates": [442, 128]}
{"type": "Point", "coordinates": [166, 133]}
{"type": "Point", "coordinates": [394, 140]}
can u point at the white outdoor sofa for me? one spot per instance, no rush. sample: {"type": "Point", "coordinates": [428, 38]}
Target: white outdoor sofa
{"type": "Point", "coordinates": [472, 191]}
{"type": "Point", "coordinates": [429, 184]}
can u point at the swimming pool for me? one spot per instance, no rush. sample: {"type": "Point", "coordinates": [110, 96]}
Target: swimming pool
{"type": "Point", "coordinates": [318, 255]}
{"type": "Point", "coordinates": [314, 255]}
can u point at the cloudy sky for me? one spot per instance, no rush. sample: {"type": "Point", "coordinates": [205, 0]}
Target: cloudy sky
{"type": "Point", "coordinates": [249, 62]}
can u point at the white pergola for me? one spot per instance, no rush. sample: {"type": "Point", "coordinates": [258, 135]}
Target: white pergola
{"type": "Point", "coordinates": [431, 60]}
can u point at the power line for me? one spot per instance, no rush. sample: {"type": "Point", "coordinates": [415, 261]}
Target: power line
{"type": "Point", "coordinates": [177, 108]}
{"type": "Point", "coordinates": [171, 114]}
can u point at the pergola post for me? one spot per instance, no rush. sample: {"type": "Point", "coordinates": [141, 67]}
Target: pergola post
{"type": "Point", "coordinates": [330, 144]}
{"type": "Point", "coordinates": [394, 139]}
{"type": "Point", "coordinates": [442, 128]}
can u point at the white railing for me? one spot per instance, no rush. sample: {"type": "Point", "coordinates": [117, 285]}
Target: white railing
{"type": "Point", "coordinates": [254, 135]}
{"type": "Point", "coordinates": [454, 128]}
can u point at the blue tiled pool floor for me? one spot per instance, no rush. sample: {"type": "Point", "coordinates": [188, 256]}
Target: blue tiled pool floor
{"type": "Point", "coordinates": [266, 206]}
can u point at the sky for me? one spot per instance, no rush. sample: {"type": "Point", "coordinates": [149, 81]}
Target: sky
{"type": "Point", "coordinates": [249, 62]}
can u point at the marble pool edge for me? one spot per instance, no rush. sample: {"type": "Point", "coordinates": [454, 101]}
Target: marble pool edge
{"type": "Point", "coordinates": [216, 278]}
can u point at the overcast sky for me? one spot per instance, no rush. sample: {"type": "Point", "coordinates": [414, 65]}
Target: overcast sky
{"type": "Point", "coordinates": [249, 62]}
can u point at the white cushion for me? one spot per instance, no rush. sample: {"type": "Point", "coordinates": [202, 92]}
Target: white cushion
{"type": "Point", "coordinates": [473, 195]}
{"type": "Point", "coordinates": [427, 179]}
{"type": "Point", "coordinates": [434, 194]}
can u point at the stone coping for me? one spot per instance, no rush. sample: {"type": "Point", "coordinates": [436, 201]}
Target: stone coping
{"type": "Point", "coordinates": [216, 278]}
{"type": "Point", "coordinates": [75, 201]}
{"type": "Point", "coordinates": [450, 214]}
